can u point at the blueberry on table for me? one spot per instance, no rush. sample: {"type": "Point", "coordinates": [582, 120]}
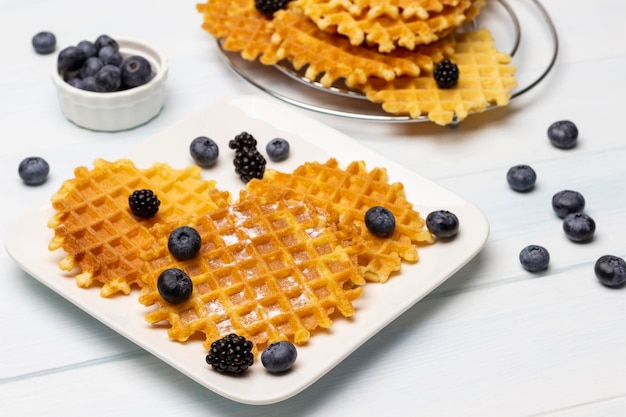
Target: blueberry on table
{"type": "Point", "coordinates": [611, 271]}
{"type": "Point", "coordinates": [380, 221]}
{"type": "Point", "coordinates": [33, 170]}
{"type": "Point", "coordinates": [442, 223]}
{"type": "Point", "coordinates": [184, 243]}
{"type": "Point", "coordinates": [174, 285]}
{"type": "Point", "coordinates": [44, 42]}
{"type": "Point", "coordinates": [279, 356]}
{"type": "Point", "coordinates": [108, 79]}
{"type": "Point", "coordinates": [70, 59]}
{"type": "Point", "coordinates": [204, 151]}
{"type": "Point", "coordinates": [579, 227]}
{"type": "Point", "coordinates": [534, 258]}
{"type": "Point", "coordinates": [277, 149]}
{"type": "Point", "coordinates": [566, 202]}
{"type": "Point", "coordinates": [563, 134]}
{"type": "Point", "coordinates": [136, 71]}
{"type": "Point", "coordinates": [521, 177]}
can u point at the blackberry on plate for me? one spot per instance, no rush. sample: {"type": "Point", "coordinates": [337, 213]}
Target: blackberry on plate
{"type": "Point", "coordinates": [232, 354]}
{"type": "Point", "coordinates": [534, 258]}
{"type": "Point", "coordinates": [184, 243]}
{"type": "Point", "coordinates": [521, 177]}
{"type": "Point", "coordinates": [611, 271]}
{"type": "Point", "coordinates": [44, 42]}
{"type": "Point", "coordinates": [380, 221]}
{"type": "Point", "coordinates": [144, 203]}
{"type": "Point", "coordinates": [174, 285]}
{"type": "Point", "coordinates": [563, 134]}
{"type": "Point", "coordinates": [442, 223]}
{"type": "Point", "coordinates": [566, 202]}
{"type": "Point", "coordinates": [243, 140]}
{"type": "Point", "coordinates": [579, 227]}
{"type": "Point", "coordinates": [269, 7]}
{"type": "Point", "coordinates": [33, 170]}
{"type": "Point", "coordinates": [204, 151]}
{"type": "Point", "coordinates": [446, 74]}
{"type": "Point", "coordinates": [277, 149]}
{"type": "Point", "coordinates": [279, 356]}
{"type": "Point", "coordinates": [249, 163]}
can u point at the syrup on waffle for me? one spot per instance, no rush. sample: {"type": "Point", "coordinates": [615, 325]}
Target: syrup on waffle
{"type": "Point", "coordinates": [267, 270]}
{"type": "Point", "coordinates": [93, 223]}
{"type": "Point", "coordinates": [349, 193]}
{"type": "Point", "coordinates": [486, 78]}
{"type": "Point", "coordinates": [382, 27]}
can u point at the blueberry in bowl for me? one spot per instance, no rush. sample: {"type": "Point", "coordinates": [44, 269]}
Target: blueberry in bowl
{"type": "Point", "coordinates": [95, 96]}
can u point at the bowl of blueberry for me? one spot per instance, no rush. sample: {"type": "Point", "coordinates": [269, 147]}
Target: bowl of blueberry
{"type": "Point", "coordinates": [110, 84]}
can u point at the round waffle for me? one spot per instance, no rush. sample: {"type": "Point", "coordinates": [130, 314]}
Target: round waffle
{"type": "Point", "coordinates": [268, 270]}
{"type": "Point", "coordinates": [349, 193]}
{"type": "Point", "coordinates": [93, 223]}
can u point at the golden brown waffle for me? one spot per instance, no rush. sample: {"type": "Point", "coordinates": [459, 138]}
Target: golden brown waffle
{"type": "Point", "coordinates": [486, 77]}
{"type": "Point", "coordinates": [385, 29]}
{"type": "Point", "coordinates": [241, 27]}
{"type": "Point", "coordinates": [268, 271]}
{"type": "Point", "coordinates": [350, 192]}
{"type": "Point", "coordinates": [330, 57]}
{"type": "Point", "coordinates": [93, 223]}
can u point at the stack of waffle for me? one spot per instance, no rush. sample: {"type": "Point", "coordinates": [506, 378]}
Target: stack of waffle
{"type": "Point", "coordinates": [386, 49]}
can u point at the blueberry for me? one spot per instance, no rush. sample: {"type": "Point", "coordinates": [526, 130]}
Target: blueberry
{"type": "Point", "coordinates": [611, 270]}
{"type": "Point", "coordinates": [108, 79]}
{"type": "Point", "coordinates": [70, 59]}
{"type": "Point", "coordinates": [106, 40]}
{"type": "Point", "coordinates": [89, 83]}
{"type": "Point", "coordinates": [279, 356]}
{"type": "Point", "coordinates": [566, 202]}
{"type": "Point", "coordinates": [76, 82]}
{"type": "Point", "coordinates": [277, 149]}
{"type": "Point", "coordinates": [110, 56]}
{"type": "Point", "coordinates": [204, 151]}
{"type": "Point", "coordinates": [521, 177]}
{"type": "Point", "coordinates": [563, 134]}
{"type": "Point", "coordinates": [184, 243]}
{"type": "Point", "coordinates": [380, 221]}
{"type": "Point", "coordinates": [33, 170]}
{"type": "Point", "coordinates": [442, 223]}
{"type": "Point", "coordinates": [534, 258]}
{"type": "Point", "coordinates": [579, 227]}
{"type": "Point", "coordinates": [91, 67]}
{"type": "Point", "coordinates": [136, 71]}
{"type": "Point", "coordinates": [174, 285]}
{"type": "Point", "coordinates": [88, 48]}
{"type": "Point", "coordinates": [44, 42]}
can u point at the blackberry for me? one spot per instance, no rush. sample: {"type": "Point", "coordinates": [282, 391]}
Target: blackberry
{"type": "Point", "coordinates": [144, 203]}
{"type": "Point", "coordinates": [269, 7]}
{"type": "Point", "coordinates": [243, 140]}
{"type": "Point", "coordinates": [249, 163]}
{"type": "Point", "coordinates": [231, 354]}
{"type": "Point", "coordinates": [446, 74]}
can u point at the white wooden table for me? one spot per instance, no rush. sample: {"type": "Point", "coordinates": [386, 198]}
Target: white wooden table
{"type": "Point", "coordinates": [494, 340]}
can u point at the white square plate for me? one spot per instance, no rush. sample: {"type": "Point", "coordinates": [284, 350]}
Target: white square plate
{"type": "Point", "coordinates": [27, 242]}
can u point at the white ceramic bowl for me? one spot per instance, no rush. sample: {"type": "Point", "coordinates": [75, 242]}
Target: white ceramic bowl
{"type": "Point", "coordinates": [118, 110]}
